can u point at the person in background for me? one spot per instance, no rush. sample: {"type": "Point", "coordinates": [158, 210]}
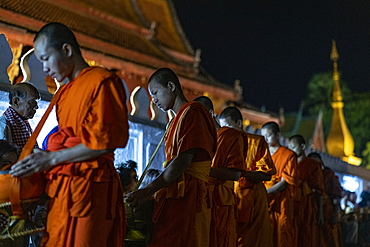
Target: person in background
{"type": "Point", "coordinates": [280, 188]}
{"type": "Point", "coordinates": [308, 209]}
{"type": "Point", "coordinates": [128, 176]}
{"type": "Point", "coordinates": [330, 231]}
{"type": "Point", "coordinates": [14, 125]}
{"type": "Point", "coordinates": [251, 195]}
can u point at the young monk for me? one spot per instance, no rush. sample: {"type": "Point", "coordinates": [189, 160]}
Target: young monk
{"type": "Point", "coordinates": [308, 210]}
{"type": "Point", "coordinates": [182, 212]}
{"type": "Point", "coordinates": [280, 188]}
{"type": "Point", "coordinates": [86, 201]}
{"type": "Point", "coordinates": [254, 227]}
{"type": "Point", "coordinates": [207, 102]}
{"type": "Point", "coordinates": [330, 232]}
{"type": "Point", "coordinates": [227, 166]}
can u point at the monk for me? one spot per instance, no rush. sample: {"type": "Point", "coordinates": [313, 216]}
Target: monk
{"type": "Point", "coordinates": [182, 212]}
{"type": "Point", "coordinates": [308, 210]}
{"type": "Point", "coordinates": [280, 188]}
{"type": "Point", "coordinates": [227, 166]}
{"type": "Point", "coordinates": [208, 104]}
{"type": "Point", "coordinates": [330, 232]}
{"type": "Point", "coordinates": [254, 227]}
{"type": "Point", "coordinates": [86, 202]}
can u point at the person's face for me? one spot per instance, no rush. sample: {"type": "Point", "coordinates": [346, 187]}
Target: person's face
{"type": "Point", "coordinates": [8, 158]}
{"type": "Point", "coordinates": [26, 107]}
{"type": "Point", "coordinates": [295, 147]}
{"type": "Point", "coordinates": [271, 138]}
{"type": "Point", "coordinates": [228, 122]}
{"type": "Point", "coordinates": [56, 63]}
{"type": "Point", "coordinates": [133, 182]}
{"type": "Point", "coordinates": [163, 97]}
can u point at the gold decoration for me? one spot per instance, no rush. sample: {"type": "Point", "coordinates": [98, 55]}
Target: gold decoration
{"type": "Point", "coordinates": [339, 141]}
{"type": "Point", "coordinates": [13, 69]}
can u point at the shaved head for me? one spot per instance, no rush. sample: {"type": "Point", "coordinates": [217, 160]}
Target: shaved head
{"type": "Point", "coordinates": [298, 138]}
{"type": "Point", "coordinates": [273, 126]}
{"type": "Point", "coordinates": [58, 34]}
{"type": "Point", "coordinates": [165, 75]}
{"type": "Point", "coordinates": [207, 102]}
{"type": "Point", "coordinates": [232, 112]}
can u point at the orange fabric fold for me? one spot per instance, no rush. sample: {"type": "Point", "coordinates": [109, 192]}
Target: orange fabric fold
{"type": "Point", "coordinates": [86, 205]}
{"type": "Point", "coordinates": [231, 150]}
{"type": "Point", "coordinates": [192, 128]}
{"type": "Point", "coordinates": [329, 233]}
{"type": "Point", "coordinates": [306, 207]}
{"type": "Point", "coordinates": [281, 205]}
{"type": "Point", "coordinates": [252, 202]}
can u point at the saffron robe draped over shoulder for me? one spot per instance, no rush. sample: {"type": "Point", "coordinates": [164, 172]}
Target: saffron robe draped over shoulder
{"type": "Point", "coordinates": [253, 217]}
{"type": "Point", "coordinates": [330, 233]}
{"type": "Point", "coordinates": [281, 204]}
{"type": "Point", "coordinates": [86, 200]}
{"type": "Point", "coordinates": [182, 213]}
{"type": "Point", "coordinates": [231, 150]}
{"type": "Point", "coordinates": [305, 201]}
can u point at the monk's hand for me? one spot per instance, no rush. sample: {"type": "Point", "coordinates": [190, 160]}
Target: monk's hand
{"type": "Point", "coordinates": [36, 162]}
{"type": "Point", "coordinates": [137, 198]}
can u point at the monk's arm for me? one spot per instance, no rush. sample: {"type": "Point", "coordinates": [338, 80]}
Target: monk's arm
{"type": "Point", "coordinates": [224, 173]}
{"type": "Point", "coordinates": [177, 166]}
{"type": "Point", "coordinates": [278, 187]}
{"type": "Point", "coordinates": [42, 160]}
{"type": "Point", "coordinates": [257, 176]}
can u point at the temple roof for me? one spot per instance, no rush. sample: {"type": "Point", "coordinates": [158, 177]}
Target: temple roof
{"type": "Point", "coordinates": [146, 32]}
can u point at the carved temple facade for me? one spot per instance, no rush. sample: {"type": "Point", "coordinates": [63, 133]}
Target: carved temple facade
{"type": "Point", "coordinates": [131, 37]}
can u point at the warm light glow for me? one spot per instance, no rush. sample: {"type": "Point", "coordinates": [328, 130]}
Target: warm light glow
{"type": "Point", "coordinates": [246, 122]}
{"type": "Point", "coordinates": [132, 101]}
{"type": "Point", "coordinates": [152, 111]}
{"type": "Point", "coordinates": [353, 160]}
{"type": "Point", "coordinates": [24, 66]}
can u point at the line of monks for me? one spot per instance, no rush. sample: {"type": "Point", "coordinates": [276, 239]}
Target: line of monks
{"type": "Point", "coordinates": [220, 186]}
{"type": "Point", "coordinates": [252, 190]}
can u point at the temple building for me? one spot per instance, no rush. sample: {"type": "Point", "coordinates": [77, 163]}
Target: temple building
{"type": "Point", "coordinates": [337, 150]}
{"type": "Point", "coordinates": [132, 38]}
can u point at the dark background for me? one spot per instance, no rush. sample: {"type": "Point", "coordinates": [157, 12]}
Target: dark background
{"type": "Point", "coordinates": [275, 47]}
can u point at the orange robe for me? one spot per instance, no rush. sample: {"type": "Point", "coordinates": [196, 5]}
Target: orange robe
{"type": "Point", "coordinates": [305, 202]}
{"type": "Point", "coordinates": [182, 212]}
{"type": "Point", "coordinates": [281, 205]}
{"type": "Point", "coordinates": [231, 150]}
{"type": "Point", "coordinates": [330, 234]}
{"type": "Point", "coordinates": [254, 227]}
{"type": "Point", "coordinates": [86, 201]}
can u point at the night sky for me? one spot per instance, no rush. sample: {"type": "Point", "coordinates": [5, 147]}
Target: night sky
{"type": "Point", "coordinates": [275, 47]}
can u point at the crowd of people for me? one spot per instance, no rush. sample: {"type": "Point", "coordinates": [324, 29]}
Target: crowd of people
{"type": "Point", "coordinates": [220, 187]}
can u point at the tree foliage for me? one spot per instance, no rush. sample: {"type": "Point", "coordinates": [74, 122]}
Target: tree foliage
{"type": "Point", "coordinates": [356, 108]}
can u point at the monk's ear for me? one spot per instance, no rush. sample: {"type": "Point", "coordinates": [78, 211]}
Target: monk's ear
{"type": "Point", "coordinates": [67, 49]}
{"type": "Point", "coordinates": [278, 135]}
{"type": "Point", "coordinates": [303, 146]}
{"type": "Point", "coordinates": [15, 102]}
{"type": "Point", "coordinates": [171, 86]}
{"type": "Point", "coordinates": [239, 123]}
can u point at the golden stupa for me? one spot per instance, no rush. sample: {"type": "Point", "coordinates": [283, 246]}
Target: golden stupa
{"type": "Point", "coordinates": [339, 142]}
